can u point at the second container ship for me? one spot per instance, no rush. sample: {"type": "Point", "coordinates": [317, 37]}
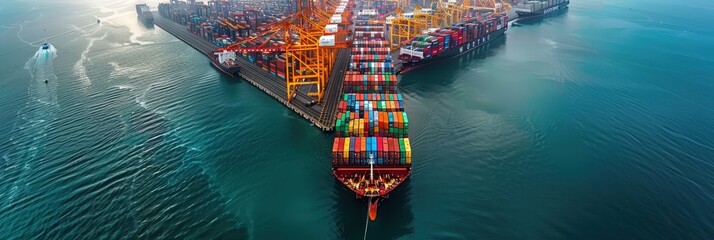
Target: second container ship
{"type": "Point", "coordinates": [439, 44]}
{"type": "Point", "coordinates": [144, 14]}
{"type": "Point", "coordinates": [532, 9]}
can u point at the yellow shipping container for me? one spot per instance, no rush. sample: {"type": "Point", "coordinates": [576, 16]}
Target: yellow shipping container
{"type": "Point", "coordinates": [346, 152]}
{"type": "Point", "coordinates": [355, 126]}
{"type": "Point", "coordinates": [359, 127]}
{"type": "Point", "coordinates": [408, 149]}
{"type": "Point", "coordinates": [351, 126]}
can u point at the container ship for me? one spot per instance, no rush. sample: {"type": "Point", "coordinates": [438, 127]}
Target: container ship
{"type": "Point", "coordinates": [225, 61]}
{"type": "Point", "coordinates": [438, 44]}
{"type": "Point", "coordinates": [144, 13]}
{"type": "Point", "coordinates": [531, 9]}
{"type": "Point", "coordinates": [371, 152]}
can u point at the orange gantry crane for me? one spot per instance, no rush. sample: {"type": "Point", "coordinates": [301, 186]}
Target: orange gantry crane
{"type": "Point", "coordinates": [497, 6]}
{"type": "Point", "coordinates": [309, 53]}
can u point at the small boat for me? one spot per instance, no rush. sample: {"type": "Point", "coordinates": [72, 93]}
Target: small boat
{"type": "Point", "coordinates": [98, 21]}
{"type": "Point", "coordinates": [45, 80]}
{"type": "Point", "coordinates": [45, 46]}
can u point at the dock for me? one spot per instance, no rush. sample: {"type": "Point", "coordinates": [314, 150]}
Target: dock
{"type": "Point", "coordinates": [321, 115]}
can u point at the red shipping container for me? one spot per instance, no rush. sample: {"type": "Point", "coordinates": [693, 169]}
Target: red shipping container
{"type": "Point", "coordinates": [395, 151]}
{"type": "Point", "coordinates": [379, 146]}
{"type": "Point", "coordinates": [364, 149]}
{"type": "Point", "coordinates": [385, 154]}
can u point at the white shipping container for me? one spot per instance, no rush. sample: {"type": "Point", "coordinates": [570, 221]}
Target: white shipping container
{"type": "Point", "coordinates": [327, 41]}
{"type": "Point", "coordinates": [406, 51]}
{"type": "Point", "coordinates": [336, 19]}
{"type": "Point", "coordinates": [331, 28]}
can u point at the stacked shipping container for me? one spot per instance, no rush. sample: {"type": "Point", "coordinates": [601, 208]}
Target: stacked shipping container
{"type": "Point", "coordinates": [437, 41]}
{"type": "Point", "coordinates": [370, 83]}
{"type": "Point", "coordinates": [371, 119]}
{"type": "Point", "coordinates": [226, 22]}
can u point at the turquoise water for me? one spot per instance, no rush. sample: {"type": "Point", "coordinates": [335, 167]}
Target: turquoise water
{"type": "Point", "coordinates": [593, 124]}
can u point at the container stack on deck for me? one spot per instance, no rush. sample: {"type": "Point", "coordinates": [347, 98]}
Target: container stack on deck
{"type": "Point", "coordinates": [436, 41]}
{"type": "Point", "coordinates": [224, 23]}
{"type": "Point", "coordinates": [370, 54]}
{"type": "Point", "coordinates": [371, 120]}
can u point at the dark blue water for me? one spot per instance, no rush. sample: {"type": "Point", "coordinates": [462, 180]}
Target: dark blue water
{"type": "Point", "coordinates": [595, 123]}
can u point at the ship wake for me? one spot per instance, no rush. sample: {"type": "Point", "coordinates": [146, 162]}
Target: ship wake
{"type": "Point", "coordinates": [24, 148]}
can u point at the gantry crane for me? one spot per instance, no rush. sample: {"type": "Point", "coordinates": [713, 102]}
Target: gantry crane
{"type": "Point", "coordinates": [403, 29]}
{"type": "Point", "coordinates": [307, 61]}
{"type": "Point", "coordinates": [497, 6]}
{"type": "Point", "coordinates": [441, 13]}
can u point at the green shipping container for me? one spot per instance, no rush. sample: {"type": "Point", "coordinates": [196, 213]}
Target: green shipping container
{"type": "Point", "coordinates": [402, 150]}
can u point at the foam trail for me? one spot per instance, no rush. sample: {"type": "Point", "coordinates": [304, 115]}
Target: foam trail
{"type": "Point", "coordinates": [20, 38]}
{"type": "Point", "coordinates": [79, 67]}
{"type": "Point", "coordinates": [74, 29]}
{"type": "Point", "coordinates": [28, 132]}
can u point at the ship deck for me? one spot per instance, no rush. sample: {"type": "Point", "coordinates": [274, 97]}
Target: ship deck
{"type": "Point", "coordinates": [385, 179]}
{"type": "Point", "coordinates": [321, 115]}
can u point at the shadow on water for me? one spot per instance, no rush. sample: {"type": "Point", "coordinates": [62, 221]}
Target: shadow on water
{"type": "Point", "coordinates": [442, 74]}
{"type": "Point", "coordinates": [228, 79]}
{"type": "Point", "coordinates": [157, 172]}
{"type": "Point", "coordinates": [163, 157]}
{"type": "Point", "coordinates": [394, 218]}
{"type": "Point", "coordinates": [146, 25]}
{"type": "Point", "coordinates": [560, 13]}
